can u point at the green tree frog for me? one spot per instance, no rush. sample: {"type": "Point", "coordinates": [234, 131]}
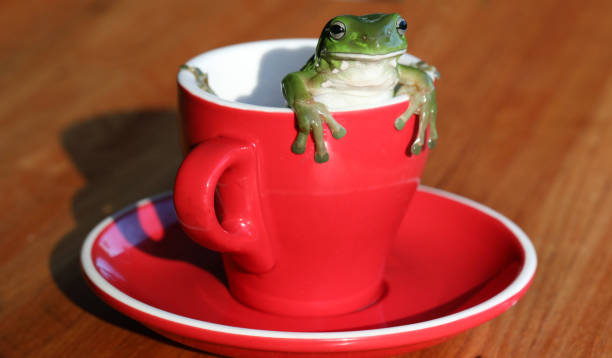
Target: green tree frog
{"type": "Point", "coordinates": [356, 63]}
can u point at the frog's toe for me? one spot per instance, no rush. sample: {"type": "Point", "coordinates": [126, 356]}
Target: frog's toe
{"type": "Point", "coordinates": [321, 158]}
{"type": "Point", "coordinates": [416, 148]}
{"type": "Point", "coordinates": [399, 124]}
{"type": "Point", "coordinates": [339, 133]}
{"type": "Point", "coordinates": [431, 143]}
{"type": "Point", "coordinates": [298, 148]}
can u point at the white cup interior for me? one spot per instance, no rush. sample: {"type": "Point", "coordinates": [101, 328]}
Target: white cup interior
{"type": "Point", "coordinates": [249, 75]}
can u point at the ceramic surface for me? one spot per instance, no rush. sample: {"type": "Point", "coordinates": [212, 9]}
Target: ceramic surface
{"type": "Point", "coordinates": [441, 279]}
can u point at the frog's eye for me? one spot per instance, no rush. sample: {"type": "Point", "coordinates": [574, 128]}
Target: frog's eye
{"type": "Point", "coordinates": [337, 29]}
{"type": "Point", "coordinates": [401, 26]}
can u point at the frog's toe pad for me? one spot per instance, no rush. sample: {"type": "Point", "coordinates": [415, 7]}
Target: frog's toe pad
{"type": "Point", "coordinates": [399, 124]}
{"type": "Point", "coordinates": [339, 133]}
{"type": "Point", "coordinates": [431, 143]}
{"type": "Point", "coordinates": [416, 149]}
{"type": "Point", "coordinates": [298, 148]}
{"type": "Point", "coordinates": [321, 158]}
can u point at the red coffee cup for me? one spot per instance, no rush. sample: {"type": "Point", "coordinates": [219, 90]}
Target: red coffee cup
{"type": "Point", "coordinates": [298, 237]}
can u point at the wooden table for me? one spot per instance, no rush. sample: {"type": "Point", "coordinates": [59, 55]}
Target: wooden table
{"type": "Point", "coordinates": [88, 124]}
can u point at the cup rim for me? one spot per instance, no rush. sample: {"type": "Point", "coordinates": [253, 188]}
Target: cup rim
{"type": "Point", "coordinates": [187, 82]}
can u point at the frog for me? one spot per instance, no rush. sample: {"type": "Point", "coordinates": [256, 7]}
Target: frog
{"type": "Point", "coordinates": [356, 62]}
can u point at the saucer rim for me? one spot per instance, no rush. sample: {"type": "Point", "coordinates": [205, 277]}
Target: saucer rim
{"type": "Point", "coordinates": [518, 285]}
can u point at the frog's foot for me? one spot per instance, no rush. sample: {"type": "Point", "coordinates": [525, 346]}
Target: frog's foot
{"type": "Point", "coordinates": [310, 117]}
{"type": "Point", "coordinates": [200, 77]}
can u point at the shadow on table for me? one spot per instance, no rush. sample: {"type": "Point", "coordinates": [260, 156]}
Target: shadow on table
{"type": "Point", "coordinates": [123, 157]}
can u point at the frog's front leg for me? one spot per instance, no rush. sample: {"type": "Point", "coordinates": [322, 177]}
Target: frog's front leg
{"type": "Point", "coordinates": [415, 83]}
{"type": "Point", "coordinates": [310, 116]}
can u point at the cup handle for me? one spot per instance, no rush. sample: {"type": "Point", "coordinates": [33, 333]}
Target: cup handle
{"type": "Point", "coordinates": [227, 166]}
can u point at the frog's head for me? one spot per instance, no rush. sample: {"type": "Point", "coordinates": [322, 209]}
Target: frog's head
{"type": "Point", "coordinates": [367, 37]}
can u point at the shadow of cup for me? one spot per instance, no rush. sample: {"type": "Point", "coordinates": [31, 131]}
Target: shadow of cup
{"type": "Point", "coordinates": [123, 157]}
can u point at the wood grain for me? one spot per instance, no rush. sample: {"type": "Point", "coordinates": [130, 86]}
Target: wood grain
{"type": "Point", "coordinates": [88, 125]}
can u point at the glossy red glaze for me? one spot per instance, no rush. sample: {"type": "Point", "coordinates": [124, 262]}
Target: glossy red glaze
{"type": "Point", "coordinates": [300, 237]}
{"type": "Point", "coordinates": [440, 280]}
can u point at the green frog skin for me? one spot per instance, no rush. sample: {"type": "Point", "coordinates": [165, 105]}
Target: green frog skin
{"type": "Point", "coordinates": [356, 64]}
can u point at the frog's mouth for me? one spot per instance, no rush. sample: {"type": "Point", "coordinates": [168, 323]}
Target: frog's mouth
{"type": "Point", "coordinates": [365, 57]}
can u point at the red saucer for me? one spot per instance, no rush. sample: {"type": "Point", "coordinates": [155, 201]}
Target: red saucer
{"type": "Point", "coordinates": [455, 264]}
